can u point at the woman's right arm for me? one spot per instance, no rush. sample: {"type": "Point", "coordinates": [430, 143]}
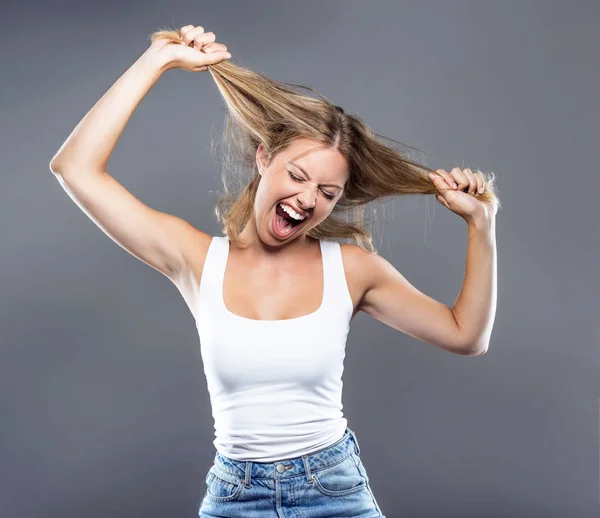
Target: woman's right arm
{"type": "Point", "coordinates": [89, 146]}
{"type": "Point", "coordinates": [154, 237]}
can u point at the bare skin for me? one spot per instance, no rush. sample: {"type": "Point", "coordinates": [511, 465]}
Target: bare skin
{"type": "Point", "coordinates": [256, 290]}
{"type": "Point", "coordinates": [276, 278]}
{"type": "Point", "coordinates": [281, 278]}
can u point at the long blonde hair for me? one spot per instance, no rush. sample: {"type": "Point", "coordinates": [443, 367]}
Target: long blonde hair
{"type": "Point", "coordinates": [260, 110]}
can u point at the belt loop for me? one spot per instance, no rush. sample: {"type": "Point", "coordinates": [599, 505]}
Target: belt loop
{"type": "Point", "coordinates": [309, 477]}
{"type": "Point", "coordinates": [355, 441]}
{"type": "Point", "coordinates": [247, 478]}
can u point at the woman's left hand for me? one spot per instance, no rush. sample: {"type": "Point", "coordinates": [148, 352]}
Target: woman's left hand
{"type": "Point", "coordinates": [458, 190]}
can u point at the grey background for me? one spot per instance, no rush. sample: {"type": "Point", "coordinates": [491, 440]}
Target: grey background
{"type": "Point", "coordinates": [104, 409]}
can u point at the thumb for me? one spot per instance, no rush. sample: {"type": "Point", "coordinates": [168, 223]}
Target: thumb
{"type": "Point", "coordinates": [442, 200]}
{"type": "Point", "coordinates": [439, 182]}
{"type": "Point", "coordinates": [215, 57]}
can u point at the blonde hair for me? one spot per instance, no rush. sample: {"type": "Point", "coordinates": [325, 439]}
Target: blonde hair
{"type": "Point", "coordinates": [260, 110]}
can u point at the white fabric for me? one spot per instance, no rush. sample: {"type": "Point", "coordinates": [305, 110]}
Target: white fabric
{"type": "Point", "coordinates": [275, 386]}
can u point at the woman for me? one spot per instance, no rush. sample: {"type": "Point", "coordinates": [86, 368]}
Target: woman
{"type": "Point", "coordinates": [273, 298]}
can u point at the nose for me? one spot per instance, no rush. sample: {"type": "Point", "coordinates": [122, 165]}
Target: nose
{"type": "Point", "coordinates": [307, 198]}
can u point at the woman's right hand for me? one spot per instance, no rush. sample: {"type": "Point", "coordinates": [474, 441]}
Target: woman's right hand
{"type": "Point", "coordinates": [195, 50]}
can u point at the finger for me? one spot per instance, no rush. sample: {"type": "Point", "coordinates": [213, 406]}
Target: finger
{"type": "Point", "coordinates": [480, 182]}
{"type": "Point", "coordinates": [461, 179]}
{"type": "Point", "coordinates": [215, 47]}
{"type": "Point", "coordinates": [447, 178]}
{"type": "Point", "coordinates": [184, 29]}
{"type": "Point", "coordinates": [216, 57]}
{"type": "Point", "coordinates": [472, 179]}
{"type": "Point", "coordinates": [202, 40]}
{"type": "Point", "coordinates": [472, 188]}
{"type": "Point", "coordinates": [439, 181]}
{"type": "Point", "coordinates": [188, 37]}
{"type": "Point", "coordinates": [442, 200]}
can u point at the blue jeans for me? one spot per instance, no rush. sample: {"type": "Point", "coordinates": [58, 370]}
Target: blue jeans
{"type": "Point", "coordinates": [331, 482]}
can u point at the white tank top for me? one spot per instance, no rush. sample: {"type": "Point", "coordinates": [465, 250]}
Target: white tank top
{"type": "Point", "coordinates": [275, 386]}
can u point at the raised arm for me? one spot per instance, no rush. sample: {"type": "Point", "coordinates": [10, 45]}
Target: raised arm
{"type": "Point", "coordinates": [89, 146]}
{"type": "Point", "coordinates": [160, 240]}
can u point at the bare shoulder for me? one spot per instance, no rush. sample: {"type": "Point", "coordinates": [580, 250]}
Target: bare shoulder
{"type": "Point", "coordinates": [369, 273]}
{"type": "Point", "coordinates": [194, 250]}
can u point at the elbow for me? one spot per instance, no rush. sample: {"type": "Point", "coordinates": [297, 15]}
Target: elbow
{"type": "Point", "coordinates": [59, 163]}
{"type": "Point", "coordinates": [475, 349]}
{"type": "Point", "coordinates": [463, 348]}
{"type": "Point", "coordinates": [470, 344]}
{"type": "Point", "coordinates": [54, 165]}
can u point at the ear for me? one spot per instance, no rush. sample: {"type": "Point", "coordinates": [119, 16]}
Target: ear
{"type": "Point", "coordinates": [261, 158]}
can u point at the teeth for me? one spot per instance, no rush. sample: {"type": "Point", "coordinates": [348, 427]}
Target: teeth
{"type": "Point", "coordinates": [292, 212]}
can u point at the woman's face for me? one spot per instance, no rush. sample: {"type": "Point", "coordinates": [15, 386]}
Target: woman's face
{"type": "Point", "coordinates": [311, 184]}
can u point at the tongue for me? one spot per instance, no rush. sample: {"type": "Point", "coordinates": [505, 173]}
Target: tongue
{"type": "Point", "coordinates": [282, 225]}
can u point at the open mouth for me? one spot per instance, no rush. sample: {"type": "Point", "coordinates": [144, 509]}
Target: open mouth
{"type": "Point", "coordinates": [284, 224]}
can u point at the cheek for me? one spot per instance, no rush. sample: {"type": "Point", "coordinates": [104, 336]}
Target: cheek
{"type": "Point", "coordinates": [263, 199]}
{"type": "Point", "coordinates": [328, 209]}
{"type": "Point", "coordinates": [268, 193]}
{"type": "Point", "coordinates": [320, 216]}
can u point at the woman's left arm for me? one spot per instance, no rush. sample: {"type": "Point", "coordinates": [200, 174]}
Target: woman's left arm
{"type": "Point", "coordinates": [390, 298]}
{"type": "Point", "coordinates": [463, 329]}
{"type": "Point", "coordinates": [475, 308]}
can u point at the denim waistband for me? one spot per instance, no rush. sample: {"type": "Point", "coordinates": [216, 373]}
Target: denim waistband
{"type": "Point", "coordinates": [236, 471]}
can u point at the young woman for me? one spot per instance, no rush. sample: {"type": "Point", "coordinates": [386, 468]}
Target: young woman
{"type": "Point", "coordinates": [273, 298]}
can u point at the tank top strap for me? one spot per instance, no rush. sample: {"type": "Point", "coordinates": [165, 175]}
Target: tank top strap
{"type": "Point", "coordinates": [216, 263]}
{"type": "Point", "coordinates": [328, 256]}
{"type": "Point", "coordinates": [336, 287]}
{"type": "Point", "coordinates": [213, 270]}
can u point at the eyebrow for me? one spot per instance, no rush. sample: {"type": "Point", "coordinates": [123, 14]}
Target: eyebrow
{"type": "Point", "coordinates": [308, 176]}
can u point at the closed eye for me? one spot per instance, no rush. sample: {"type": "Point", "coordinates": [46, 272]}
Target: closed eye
{"type": "Point", "coordinates": [298, 179]}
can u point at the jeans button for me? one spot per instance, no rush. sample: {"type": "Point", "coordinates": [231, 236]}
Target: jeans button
{"type": "Point", "coordinates": [280, 468]}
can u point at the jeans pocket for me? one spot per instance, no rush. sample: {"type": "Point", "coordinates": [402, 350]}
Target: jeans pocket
{"type": "Point", "coordinates": [222, 487]}
{"type": "Point", "coordinates": [343, 478]}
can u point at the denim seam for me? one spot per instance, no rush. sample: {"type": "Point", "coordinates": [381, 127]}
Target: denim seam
{"type": "Point", "coordinates": [331, 465]}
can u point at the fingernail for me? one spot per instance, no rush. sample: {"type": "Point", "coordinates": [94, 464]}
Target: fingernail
{"type": "Point", "coordinates": [481, 189]}
{"type": "Point", "coordinates": [431, 175]}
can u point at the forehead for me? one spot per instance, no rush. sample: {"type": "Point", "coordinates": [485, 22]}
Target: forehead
{"type": "Point", "coordinates": [302, 147]}
{"type": "Point", "coordinates": [320, 162]}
